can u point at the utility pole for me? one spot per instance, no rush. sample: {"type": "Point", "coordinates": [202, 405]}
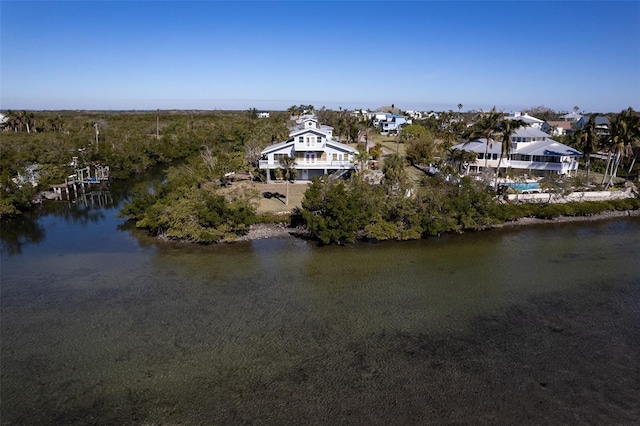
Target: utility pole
{"type": "Point", "coordinates": [97, 133]}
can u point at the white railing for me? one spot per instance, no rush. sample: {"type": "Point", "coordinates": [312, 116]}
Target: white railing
{"type": "Point", "coordinates": [311, 164]}
{"type": "Point", "coordinates": [533, 165]}
{"type": "Point", "coordinates": [310, 147]}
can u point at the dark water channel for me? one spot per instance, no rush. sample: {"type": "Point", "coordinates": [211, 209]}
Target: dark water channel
{"type": "Point", "coordinates": [103, 325]}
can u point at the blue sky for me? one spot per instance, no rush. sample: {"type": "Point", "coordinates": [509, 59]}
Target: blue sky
{"type": "Point", "coordinates": [359, 54]}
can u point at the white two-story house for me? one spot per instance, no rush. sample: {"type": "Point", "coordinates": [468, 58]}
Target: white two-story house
{"type": "Point", "coordinates": [315, 151]}
{"type": "Point", "coordinates": [531, 149]}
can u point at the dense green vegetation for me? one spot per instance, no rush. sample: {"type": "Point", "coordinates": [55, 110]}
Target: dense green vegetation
{"type": "Point", "coordinates": [509, 212]}
{"type": "Point", "coordinates": [340, 212]}
{"type": "Point", "coordinates": [189, 206]}
{"type": "Point", "coordinates": [193, 204]}
{"type": "Point", "coordinates": [127, 142]}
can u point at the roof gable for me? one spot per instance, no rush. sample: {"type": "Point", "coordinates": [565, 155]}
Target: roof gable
{"type": "Point", "coordinates": [341, 146]}
{"type": "Point", "coordinates": [311, 130]}
{"type": "Point", "coordinates": [277, 146]}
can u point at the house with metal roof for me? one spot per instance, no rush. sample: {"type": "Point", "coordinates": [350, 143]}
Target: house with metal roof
{"type": "Point", "coordinates": [531, 149]}
{"type": "Point", "coordinates": [315, 150]}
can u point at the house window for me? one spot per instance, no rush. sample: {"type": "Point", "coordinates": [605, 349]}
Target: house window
{"type": "Point", "coordinates": [301, 139]}
{"type": "Point", "coordinates": [334, 157]}
{"type": "Point", "coordinates": [319, 139]}
{"type": "Point", "coordinates": [495, 156]}
{"type": "Point", "coordinates": [480, 156]}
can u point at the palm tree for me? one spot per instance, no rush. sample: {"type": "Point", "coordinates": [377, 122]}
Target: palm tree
{"type": "Point", "coordinates": [461, 159]}
{"type": "Point", "coordinates": [26, 120]}
{"type": "Point", "coordinates": [507, 127]}
{"type": "Point", "coordinates": [13, 120]}
{"type": "Point", "coordinates": [395, 172]}
{"type": "Point", "coordinates": [292, 111]}
{"type": "Point", "coordinates": [485, 127]}
{"type": "Point", "coordinates": [634, 138]}
{"type": "Point", "coordinates": [587, 141]}
{"type": "Point", "coordinates": [366, 124]}
{"type": "Point", "coordinates": [287, 164]}
{"type": "Point", "coordinates": [623, 131]}
{"type": "Point", "coordinates": [361, 159]}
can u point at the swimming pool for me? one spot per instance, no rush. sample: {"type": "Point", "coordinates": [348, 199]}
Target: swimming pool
{"type": "Point", "coordinates": [518, 186]}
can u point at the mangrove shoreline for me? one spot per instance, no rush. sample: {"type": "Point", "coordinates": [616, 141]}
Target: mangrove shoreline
{"type": "Point", "coordinates": [261, 231]}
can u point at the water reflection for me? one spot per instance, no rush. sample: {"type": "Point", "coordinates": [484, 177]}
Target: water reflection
{"type": "Point", "coordinates": [19, 232]}
{"type": "Point", "coordinates": [96, 207]}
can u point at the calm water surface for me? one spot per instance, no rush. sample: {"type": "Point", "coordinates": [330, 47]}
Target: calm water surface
{"type": "Point", "coordinates": [104, 325]}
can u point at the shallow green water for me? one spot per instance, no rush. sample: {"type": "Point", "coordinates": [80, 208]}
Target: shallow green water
{"type": "Point", "coordinates": [106, 326]}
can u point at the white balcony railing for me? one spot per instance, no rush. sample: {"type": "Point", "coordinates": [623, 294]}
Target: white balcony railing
{"type": "Point", "coordinates": [531, 165]}
{"type": "Point", "coordinates": [309, 164]}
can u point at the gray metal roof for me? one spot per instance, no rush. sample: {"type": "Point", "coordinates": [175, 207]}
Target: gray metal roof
{"type": "Point", "coordinates": [341, 146]}
{"type": "Point", "coordinates": [529, 132]}
{"type": "Point", "coordinates": [276, 146]}
{"type": "Point", "coordinates": [314, 130]}
{"type": "Point", "coordinates": [479, 146]}
{"type": "Point", "coordinates": [546, 147]}
{"type": "Point", "coordinates": [526, 118]}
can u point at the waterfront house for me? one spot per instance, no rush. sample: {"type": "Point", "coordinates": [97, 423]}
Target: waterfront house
{"type": "Point", "coordinates": [532, 150]}
{"type": "Point", "coordinates": [315, 150]}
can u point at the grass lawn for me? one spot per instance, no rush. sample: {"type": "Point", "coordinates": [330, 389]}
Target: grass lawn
{"type": "Point", "coordinates": [388, 143]}
{"type": "Point", "coordinates": [271, 196]}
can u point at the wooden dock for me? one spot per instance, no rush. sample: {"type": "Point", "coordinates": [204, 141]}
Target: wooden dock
{"type": "Point", "coordinates": [78, 182]}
